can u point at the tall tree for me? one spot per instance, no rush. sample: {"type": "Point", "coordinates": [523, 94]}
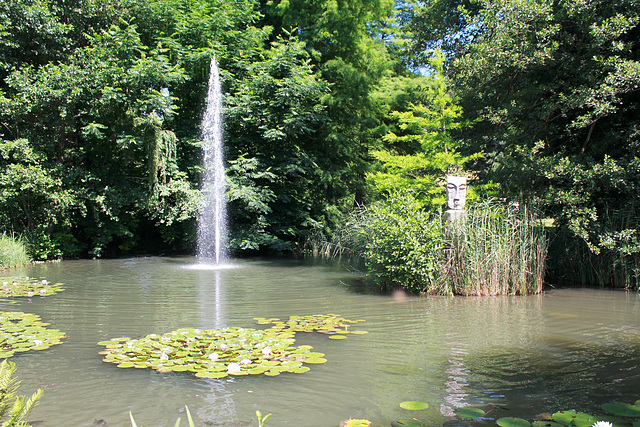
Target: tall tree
{"type": "Point", "coordinates": [554, 91]}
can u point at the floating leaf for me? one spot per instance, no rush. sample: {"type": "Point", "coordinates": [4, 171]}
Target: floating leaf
{"type": "Point", "coordinates": [20, 332]}
{"type": "Point", "coordinates": [565, 417]}
{"type": "Point", "coordinates": [468, 412]}
{"type": "Point", "coordinates": [414, 405]}
{"type": "Point", "coordinates": [622, 409]}
{"type": "Point", "coordinates": [315, 360]}
{"type": "Point", "coordinates": [27, 287]}
{"type": "Point", "coordinates": [405, 423]}
{"type": "Point", "coordinates": [545, 424]}
{"type": "Point", "coordinates": [337, 337]}
{"type": "Point", "coordinates": [512, 422]}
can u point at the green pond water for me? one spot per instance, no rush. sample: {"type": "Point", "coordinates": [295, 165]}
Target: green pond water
{"type": "Point", "coordinates": [564, 349]}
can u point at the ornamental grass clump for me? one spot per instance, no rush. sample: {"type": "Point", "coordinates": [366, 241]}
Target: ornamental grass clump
{"type": "Point", "coordinates": [13, 252]}
{"type": "Point", "coordinates": [495, 249]}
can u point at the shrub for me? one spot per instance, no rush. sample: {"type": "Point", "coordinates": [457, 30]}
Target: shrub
{"type": "Point", "coordinates": [400, 243]}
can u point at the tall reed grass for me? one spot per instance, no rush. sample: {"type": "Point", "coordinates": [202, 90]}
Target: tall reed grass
{"type": "Point", "coordinates": [495, 249]}
{"type": "Point", "coordinates": [13, 252]}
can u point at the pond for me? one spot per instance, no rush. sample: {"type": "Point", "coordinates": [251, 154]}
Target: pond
{"type": "Point", "coordinates": [564, 349]}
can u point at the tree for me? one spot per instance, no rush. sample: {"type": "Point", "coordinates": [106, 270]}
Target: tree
{"type": "Point", "coordinates": [420, 149]}
{"type": "Point", "coordinates": [553, 91]}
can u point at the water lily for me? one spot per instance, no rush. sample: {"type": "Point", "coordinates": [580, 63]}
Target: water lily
{"type": "Point", "coordinates": [38, 342]}
{"type": "Point", "coordinates": [29, 293]}
{"type": "Point", "coordinates": [266, 351]}
{"type": "Point", "coordinates": [213, 357]}
{"type": "Point", "coordinates": [245, 361]}
{"type": "Point", "coordinates": [164, 356]}
{"type": "Point", "coordinates": [43, 291]}
{"type": "Point", "coordinates": [44, 282]}
{"type": "Point", "coordinates": [233, 368]}
{"type": "Point", "coordinates": [603, 424]}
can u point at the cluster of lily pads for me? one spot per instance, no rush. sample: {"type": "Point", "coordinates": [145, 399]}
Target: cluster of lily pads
{"type": "Point", "coordinates": [622, 415]}
{"type": "Point", "coordinates": [25, 331]}
{"type": "Point", "coordinates": [218, 353]}
{"type": "Point", "coordinates": [28, 287]}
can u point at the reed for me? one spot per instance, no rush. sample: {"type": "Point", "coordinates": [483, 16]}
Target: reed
{"type": "Point", "coordinates": [495, 249]}
{"type": "Point", "coordinates": [13, 252]}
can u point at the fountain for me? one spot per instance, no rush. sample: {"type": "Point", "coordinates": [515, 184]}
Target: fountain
{"type": "Point", "coordinates": [212, 222]}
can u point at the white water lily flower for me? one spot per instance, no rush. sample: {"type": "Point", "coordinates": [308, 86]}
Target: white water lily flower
{"type": "Point", "coordinates": [5, 283]}
{"type": "Point", "coordinates": [164, 356]}
{"type": "Point", "coordinates": [603, 424]}
{"type": "Point", "coordinates": [213, 356]}
{"type": "Point", "coordinates": [266, 351]}
{"type": "Point", "coordinates": [223, 346]}
{"type": "Point", "coordinates": [43, 291]}
{"type": "Point", "coordinates": [245, 361]}
{"type": "Point", "coordinates": [44, 282]}
{"type": "Point", "coordinates": [30, 293]}
{"type": "Point", "coordinates": [38, 342]}
{"type": "Point", "coordinates": [233, 368]}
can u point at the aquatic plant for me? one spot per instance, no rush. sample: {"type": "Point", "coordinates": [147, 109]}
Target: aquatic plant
{"type": "Point", "coordinates": [218, 353]}
{"type": "Point", "coordinates": [21, 332]}
{"type": "Point", "coordinates": [14, 408]}
{"type": "Point", "coordinates": [329, 324]}
{"type": "Point", "coordinates": [261, 419]}
{"type": "Point", "coordinates": [28, 287]}
{"type": "Point", "coordinates": [497, 249]}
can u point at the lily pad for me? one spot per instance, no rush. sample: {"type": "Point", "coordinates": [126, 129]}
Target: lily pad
{"type": "Point", "coordinates": [406, 423]}
{"type": "Point", "coordinates": [28, 287]}
{"type": "Point", "coordinates": [414, 405]}
{"type": "Point", "coordinates": [20, 332]}
{"type": "Point", "coordinates": [468, 412]}
{"type": "Point", "coordinates": [545, 424]}
{"type": "Point", "coordinates": [622, 409]}
{"type": "Point", "coordinates": [573, 418]}
{"type": "Point", "coordinates": [512, 422]}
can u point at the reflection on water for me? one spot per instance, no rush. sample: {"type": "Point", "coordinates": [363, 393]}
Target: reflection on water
{"type": "Point", "coordinates": [565, 349]}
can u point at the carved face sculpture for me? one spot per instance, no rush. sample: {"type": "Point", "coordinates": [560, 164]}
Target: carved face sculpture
{"type": "Point", "coordinates": [456, 191]}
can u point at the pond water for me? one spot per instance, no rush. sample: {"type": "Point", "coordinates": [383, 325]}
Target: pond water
{"type": "Point", "coordinates": [564, 349]}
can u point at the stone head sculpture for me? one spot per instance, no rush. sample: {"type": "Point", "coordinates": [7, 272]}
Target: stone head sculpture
{"type": "Point", "coordinates": [456, 192]}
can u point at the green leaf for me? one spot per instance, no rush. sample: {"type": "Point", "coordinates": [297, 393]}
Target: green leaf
{"type": "Point", "coordinates": [468, 412]}
{"type": "Point", "coordinates": [512, 422]}
{"type": "Point", "coordinates": [414, 405]}
{"type": "Point", "coordinates": [622, 409]}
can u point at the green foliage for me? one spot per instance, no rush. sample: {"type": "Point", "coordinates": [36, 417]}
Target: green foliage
{"type": "Point", "coordinates": [420, 148]}
{"type": "Point", "coordinates": [272, 122]}
{"type": "Point", "coordinates": [490, 249]}
{"type": "Point", "coordinates": [13, 409]}
{"type": "Point", "coordinates": [552, 89]}
{"type": "Point", "coordinates": [400, 242]}
{"type": "Point", "coordinates": [13, 251]}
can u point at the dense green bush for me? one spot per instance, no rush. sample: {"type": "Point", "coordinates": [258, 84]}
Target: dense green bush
{"type": "Point", "coordinates": [401, 243]}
